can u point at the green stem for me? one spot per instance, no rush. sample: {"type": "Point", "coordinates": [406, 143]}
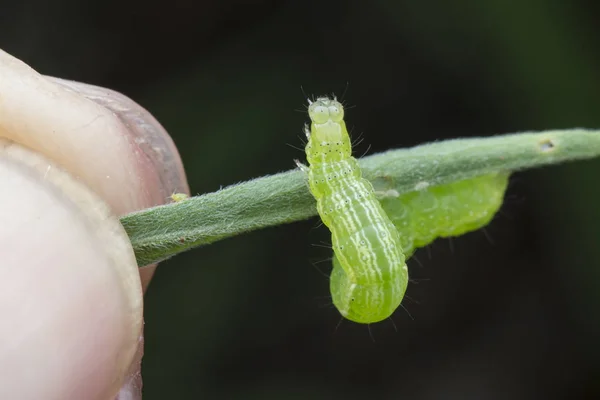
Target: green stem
{"type": "Point", "coordinates": [161, 232]}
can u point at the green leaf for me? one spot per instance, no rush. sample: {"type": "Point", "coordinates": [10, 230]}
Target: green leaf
{"type": "Point", "coordinates": [161, 232]}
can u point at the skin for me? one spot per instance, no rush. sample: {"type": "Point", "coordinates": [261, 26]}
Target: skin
{"type": "Point", "coordinates": [73, 158]}
{"type": "Point", "coordinates": [370, 276]}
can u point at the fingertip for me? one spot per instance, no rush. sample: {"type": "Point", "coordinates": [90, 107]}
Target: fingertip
{"type": "Point", "coordinates": [70, 293]}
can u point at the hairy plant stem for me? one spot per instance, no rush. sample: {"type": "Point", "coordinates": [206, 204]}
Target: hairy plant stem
{"type": "Point", "coordinates": [161, 232]}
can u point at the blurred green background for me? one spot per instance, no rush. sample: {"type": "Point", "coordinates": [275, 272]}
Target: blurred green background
{"type": "Point", "coordinates": [505, 314]}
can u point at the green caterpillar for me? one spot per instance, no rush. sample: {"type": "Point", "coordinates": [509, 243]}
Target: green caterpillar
{"type": "Point", "coordinates": [371, 279]}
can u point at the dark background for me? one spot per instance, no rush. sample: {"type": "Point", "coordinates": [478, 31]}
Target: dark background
{"type": "Point", "coordinates": [511, 318]}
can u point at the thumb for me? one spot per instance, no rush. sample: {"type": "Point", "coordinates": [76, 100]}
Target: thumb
{"type": "Point", "coordinates": [70, 292]}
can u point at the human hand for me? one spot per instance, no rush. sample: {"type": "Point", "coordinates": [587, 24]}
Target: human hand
{"type": "Point", "coordinates": [73, 158]}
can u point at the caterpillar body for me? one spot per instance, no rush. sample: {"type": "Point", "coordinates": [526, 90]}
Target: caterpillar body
{"type": "Point", "coordinates": [371, 279]}
{"type": "Point", "coordinates": [445, 210]}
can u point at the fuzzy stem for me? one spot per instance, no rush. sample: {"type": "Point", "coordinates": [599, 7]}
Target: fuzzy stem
{"type": "Point", "coordinates": [160, 232]}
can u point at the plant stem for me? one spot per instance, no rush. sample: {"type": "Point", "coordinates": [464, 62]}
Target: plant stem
{"type": "Point", "coordinates": [161, 232]}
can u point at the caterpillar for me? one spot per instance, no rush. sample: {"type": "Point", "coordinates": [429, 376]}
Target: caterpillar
{"type": "Point", "coordinates": [372, 276]}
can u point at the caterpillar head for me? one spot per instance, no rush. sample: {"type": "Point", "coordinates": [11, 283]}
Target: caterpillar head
{"type": "Point", "coordinates": [328, 140]}
{"type": "Point", "coordinates": [364, 304]}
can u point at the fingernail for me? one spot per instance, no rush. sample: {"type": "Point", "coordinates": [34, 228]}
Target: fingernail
{"type": "Point", "coordinates": [112, 144]}
{"type": "Point", "coordinates": [156, 148]}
